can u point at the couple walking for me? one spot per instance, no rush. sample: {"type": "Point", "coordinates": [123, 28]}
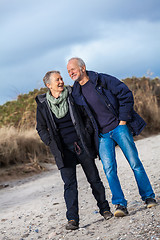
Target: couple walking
{"type": "Point", "coordinates": [89, 119]}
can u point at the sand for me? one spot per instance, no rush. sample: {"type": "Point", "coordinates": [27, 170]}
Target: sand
{"type": "Point", "coordinates": [34, 208]}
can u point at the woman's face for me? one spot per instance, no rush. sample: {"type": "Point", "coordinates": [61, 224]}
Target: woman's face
{"type": "Point", "coordinates": [56, 84]}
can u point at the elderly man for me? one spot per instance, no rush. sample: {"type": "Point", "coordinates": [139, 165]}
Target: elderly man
{"type": "Point", "coordinates": [109, 104]}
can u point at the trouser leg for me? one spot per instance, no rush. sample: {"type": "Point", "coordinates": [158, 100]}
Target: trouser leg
{"type": "Point", "coordinates": [125, 140]}
{"type": "Point", "coordinates": [92, 175]}
{"type": "Point", "coordinates": [107, 155]}
{"type": "Point", "coordinates": [70, 192]}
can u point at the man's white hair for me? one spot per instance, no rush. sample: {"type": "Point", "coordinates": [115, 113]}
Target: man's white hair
{"type": "Point", "coordinates": [81, 63]}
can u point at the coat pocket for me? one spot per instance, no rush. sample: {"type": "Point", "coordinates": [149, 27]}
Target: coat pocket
{"type": "Point", "coordinates": [137, 124]}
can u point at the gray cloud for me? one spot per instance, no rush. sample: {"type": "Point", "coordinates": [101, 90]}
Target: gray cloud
{"type": "Point", "coordinates": [121, 37]}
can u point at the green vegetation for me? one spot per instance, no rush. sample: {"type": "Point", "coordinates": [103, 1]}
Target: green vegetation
{"type": "Point", "coordinates": [20, 113]}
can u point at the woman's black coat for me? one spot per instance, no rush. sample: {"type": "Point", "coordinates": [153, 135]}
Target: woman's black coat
{"type": "Point", "coordinates": [49, 132]}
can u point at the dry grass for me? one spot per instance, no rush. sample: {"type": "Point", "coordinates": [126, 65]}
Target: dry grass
{"type": "Point", "coordinates": [22, 154]}
{"type": "Point", "coordinates": [146, 105]}
{"type": "Point", "coordinates": [147, 101]}
{"type": "Point", "coordinates": [21, 146]}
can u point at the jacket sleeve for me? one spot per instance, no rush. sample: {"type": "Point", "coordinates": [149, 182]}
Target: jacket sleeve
{"type": "Point", "coordinates": [87, 122]}
{"type": "Point", "coordinates": [124, 97]}
{"type": "Point", "coordinates": [42, 128]}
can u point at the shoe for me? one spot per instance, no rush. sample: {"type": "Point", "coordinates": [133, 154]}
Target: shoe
{"type": "Point", "coordinates": [121, 211]}
{"type": "Point", "coordinates": [72, 225]}
{"type": "Point", "coordinates": [150, 202]}
{"type": "Point", "coordinates": [107, 215]}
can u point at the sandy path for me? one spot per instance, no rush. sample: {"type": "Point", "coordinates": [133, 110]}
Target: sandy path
{"type": "Point", "coordinates": [35, 209]}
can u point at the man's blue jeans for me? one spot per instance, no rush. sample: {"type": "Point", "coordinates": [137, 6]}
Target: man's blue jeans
{"type": "Point", "coordinates": [122, 136]}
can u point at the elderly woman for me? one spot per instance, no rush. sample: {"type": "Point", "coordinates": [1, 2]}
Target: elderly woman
{"type": "Point", "coordinates": [66, 130]}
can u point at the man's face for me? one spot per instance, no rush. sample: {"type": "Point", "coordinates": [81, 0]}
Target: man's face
{"type": "Point", "coordinates": [74, 70]}
{"type": "Point", "coordinates": [56, 83]}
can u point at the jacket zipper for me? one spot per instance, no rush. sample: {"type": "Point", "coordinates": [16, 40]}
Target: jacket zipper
{"type": "Point", "coordinates": [107, 104]}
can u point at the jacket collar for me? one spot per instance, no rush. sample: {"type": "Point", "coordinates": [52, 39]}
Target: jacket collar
{"type": "Point", "coordinates": [41, 98]}
{"type": "Point", "coordinates": [77, 93]}
{"type": "Point", "coordinates": [93, 77]}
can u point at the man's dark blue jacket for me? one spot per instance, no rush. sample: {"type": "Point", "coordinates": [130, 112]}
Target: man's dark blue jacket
{"type": "Point", "coordinates": [117, 97]}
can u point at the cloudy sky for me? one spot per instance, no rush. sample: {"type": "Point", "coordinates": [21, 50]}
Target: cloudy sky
{"type": "Point", "coordinates": [118, 37]}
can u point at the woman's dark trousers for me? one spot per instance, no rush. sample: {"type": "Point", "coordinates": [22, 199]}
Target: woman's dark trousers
{"type": "Point", "coordinates": [68, 174]}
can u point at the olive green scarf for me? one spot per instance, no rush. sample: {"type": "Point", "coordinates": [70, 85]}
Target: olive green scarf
{"type": "Point", "coordinates": [59, 106]}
